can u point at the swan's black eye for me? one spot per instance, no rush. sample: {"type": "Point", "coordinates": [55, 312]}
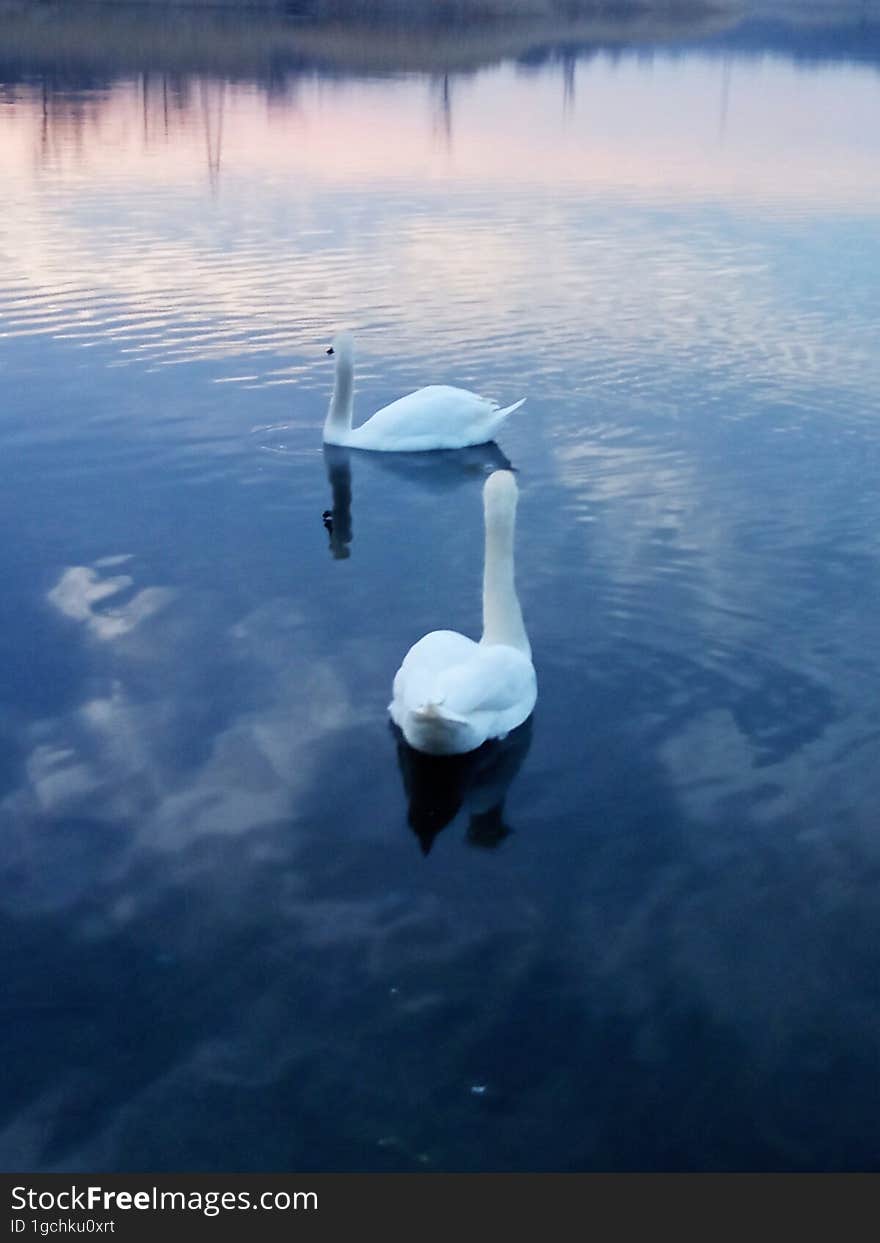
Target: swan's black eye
{"type": "Point", "coordinates": [330, 351]}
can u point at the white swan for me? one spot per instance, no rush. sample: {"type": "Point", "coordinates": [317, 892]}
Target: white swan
{"type": "Point", "coordinates": [451, 694]}
{"type": "Point", "coordinates": [436, 417]}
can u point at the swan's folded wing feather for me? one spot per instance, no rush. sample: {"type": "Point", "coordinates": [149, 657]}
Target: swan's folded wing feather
{"type": "Point", "coordinates": [463, 677]}
{"type": "Point", "coordinates": [493, 679]}
{"type": "Point", "coordinates": [416, 681]}
{"type": "Point", "coordinates": [436, 403]}
{"type": "Point", "coordinates": [439, 415]}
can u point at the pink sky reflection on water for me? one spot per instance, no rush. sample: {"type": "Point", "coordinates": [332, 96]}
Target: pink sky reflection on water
{"type": "Point", "coordinates": [749, 130]}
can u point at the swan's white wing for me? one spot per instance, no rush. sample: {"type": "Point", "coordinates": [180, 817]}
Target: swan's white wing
{"type": "Point", "coordinates": [493, 680]}
{"type": "Point", "coordinates": [415, 682]}
{"type": "Point", "coordinates": [451, 694]}
{"type": "Point", "coordinates": [436, 417]}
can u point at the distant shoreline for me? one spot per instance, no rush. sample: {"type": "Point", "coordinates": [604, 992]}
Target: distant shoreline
{"type": "Point", "coordinates": [244, 37]}
{"type": "Point", "coordinates": [401, 10]}
{"type": "Point", "coordinates": [72, 40]}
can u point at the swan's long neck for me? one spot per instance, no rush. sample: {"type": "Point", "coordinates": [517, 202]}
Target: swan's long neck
{"type": "Point", "coordinates": [502, 616]}
{"type": "Point", "coordinates": [338, 422]}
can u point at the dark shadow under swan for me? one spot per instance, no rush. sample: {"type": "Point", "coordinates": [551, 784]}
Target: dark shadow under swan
{"type": "Point", "coordinates": [438, 787]}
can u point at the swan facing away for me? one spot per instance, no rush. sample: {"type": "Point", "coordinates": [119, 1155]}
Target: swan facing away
{"type": "Point", "coordinates": [436, 417]}
{"type": "Point", "coordinates": [451, 694]}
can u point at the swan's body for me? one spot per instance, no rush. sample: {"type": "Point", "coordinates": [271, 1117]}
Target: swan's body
{"type": "Point", "coordinates": [436, 417]}
{"type": "Point", "coordinates": [451, 694]}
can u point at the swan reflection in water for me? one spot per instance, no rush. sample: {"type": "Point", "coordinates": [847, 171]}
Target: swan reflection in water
{"type": "Point", "coordinates": [434, 470]}
{"type": "Point", "coordinates": [438, 786]}
{"type": "Point", "coordinates": [337, 521]}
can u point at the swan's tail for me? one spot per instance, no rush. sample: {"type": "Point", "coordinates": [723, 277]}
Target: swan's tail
{"type": "Point", "coordinates": [502, 414]}
{"type": "Point", "coordinates": [432, 728]}
{"type": "Point", "coordinates": [435, 713]}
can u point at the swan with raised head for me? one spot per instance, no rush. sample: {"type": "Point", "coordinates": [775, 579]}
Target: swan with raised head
{"type": "Point", "coordinates": [452, 694]}
{"type": "Point", "coordinates": [436, 417]}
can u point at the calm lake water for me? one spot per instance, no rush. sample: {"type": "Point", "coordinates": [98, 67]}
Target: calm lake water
{"type": "Point", "coordinates": [245, 929]}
